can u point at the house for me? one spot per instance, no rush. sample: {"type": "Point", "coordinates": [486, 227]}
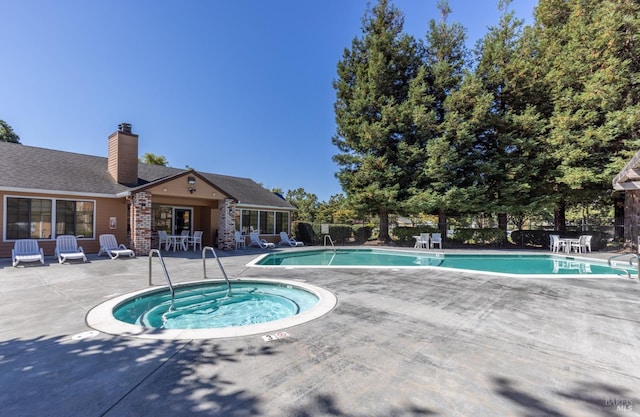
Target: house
{"type": "Point", "coordinates": [46, 193]}
{"type": "Point", "coordinates": [628, 181]}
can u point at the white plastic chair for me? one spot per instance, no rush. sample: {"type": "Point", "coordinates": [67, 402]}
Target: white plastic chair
{"type": "Point", "coordinates": [109, 246]}
{"type": "Point", "coordinates": [286, 240]}
{"type": "Point", "coordinates": [26, 250]}
{"type": "Point", "coordinates": [436, 239]}
{"type": "Point", "coordinates": [163, 238]}
{"type": "Point", "coordinates": [240, 240]}
{"type": "Point", "coordinates": [195, 240]}
{"type": "Point", "coordinates": [555, 244]}
{"type": "Point", "coordinates": [423, 241]}
{"type": "Point", "coordinates": [580, 245]}
{"type": "Point", "coordinates": [67, 248]}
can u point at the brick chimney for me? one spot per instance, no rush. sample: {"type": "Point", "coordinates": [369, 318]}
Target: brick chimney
{"type": "Point", "coordinates": [123, 155]}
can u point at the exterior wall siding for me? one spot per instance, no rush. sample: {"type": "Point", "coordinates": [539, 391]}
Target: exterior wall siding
{"type": "Point", "coordinates": [105, 209]}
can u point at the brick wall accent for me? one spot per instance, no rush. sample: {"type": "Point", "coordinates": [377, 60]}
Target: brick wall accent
{"type": "Point", "coordinates": [227, 225]}
{"type": "Point", "coordinates": [141, 223]}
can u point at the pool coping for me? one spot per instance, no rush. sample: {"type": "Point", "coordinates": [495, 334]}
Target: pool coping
{"type": "Point", "coordinates": [101, 316]}
{"type": "Point", "coordinates": [254, 263]}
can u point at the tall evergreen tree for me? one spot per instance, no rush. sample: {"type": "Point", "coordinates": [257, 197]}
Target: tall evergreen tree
{"type": "Point", "coordinates": [438, 179]}
{"type": "Point", "coordinates": [7, 134]}
{"type": "Point", "coordinates": [371, 113]}
{"type": "Point", "coordinates": [512, 162]}
{"type": "Point", "coordinates": [591, 52]}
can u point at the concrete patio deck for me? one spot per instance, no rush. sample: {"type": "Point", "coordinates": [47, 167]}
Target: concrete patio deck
{"type": "Point", "coordinates": [398, 343]}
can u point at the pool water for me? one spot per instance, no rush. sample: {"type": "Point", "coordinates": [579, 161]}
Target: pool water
{"type": "Point", "coordinates": [204, 306]}
{"type": "Point", "coordinates": [516, 264]}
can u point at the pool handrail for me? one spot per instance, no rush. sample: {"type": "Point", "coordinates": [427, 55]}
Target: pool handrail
{"type": "Point", "coordinates": [330, 241]}
{"type": "Point", "coordinates": [204, 267]}
{"type": "Point", "coordinates": [632, 256]}
{"type": "Point", "coordinates": [166, 274]}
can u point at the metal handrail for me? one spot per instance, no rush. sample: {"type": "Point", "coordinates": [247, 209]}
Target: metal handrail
{"type": "Point", "coordinates": [330, 241]}
{"type": "Point", "coordinates": [204, 267]}
{"type": "Point", "coordinates": [166, 274]}
{"type": "Point", "coordinates": [632, 256]}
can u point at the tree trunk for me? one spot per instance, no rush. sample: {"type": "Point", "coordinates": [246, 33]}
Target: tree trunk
{"type": "Point", "coordinates": [384, 225]}
{"type": "Point", "coordinates": [559, 219]}
{"type": "Point", "coordinates": [618, 210]}
{"type": "Point", "coordinates": [502, 221]}
{"type": "Point", "coordinates": [442, 224]}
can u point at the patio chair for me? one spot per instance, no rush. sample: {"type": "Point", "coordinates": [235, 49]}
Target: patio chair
{"type": "Point", "coordinates": [422, 241]}
{"type": "Point", "coordinates": [286, 240]}
{"type": "Point", "coordinates": [436, 239]}
{"type": "Point", "coordinates": [26, 250]}
{"type": "Point", "coordinates": [261, 243]}
{"type": "Point", "coordinates": [240, 240]}
{"type": "Point", "coordinates": [554, 243]}
{"type": "Point", "coordinates": [163, 238]}
{"type": "Point", "coordinates": [109, 245]}
{"type": "Point", "coordinates": [195, 240]}
{"type": "Point", "coordinates": [580, 245]}
{"type": "Point", "coordinates": [67, 248]}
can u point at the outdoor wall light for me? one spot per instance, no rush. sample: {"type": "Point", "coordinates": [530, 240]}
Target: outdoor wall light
{"type": "Point", "coordinates": [191, 189]}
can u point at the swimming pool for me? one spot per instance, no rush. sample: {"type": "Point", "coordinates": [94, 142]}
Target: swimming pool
{"type": "Point", "coordinates": [540, 265]}
{"type": "Point", "coordinates": [204, 310]}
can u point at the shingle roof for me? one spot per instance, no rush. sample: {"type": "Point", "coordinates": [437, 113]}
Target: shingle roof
{"type": "Point", "coordinates": [29, 167]}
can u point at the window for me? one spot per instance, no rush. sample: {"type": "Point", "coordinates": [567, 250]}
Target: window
{"type": "Point", "coordinates": [266, 222]}
{"type": "Point", "coordinates": [74, 218]}
{"type": "Point", "coordinates": [269, 222]}
{"type": "Point", "coordinates": [28, 218]}
{"type": "Point", "coordinates": [32, 218]}
{"type": "Point", "coordinates": [249, 221]}
{"type": "Point", "coordinates": [282, 222]}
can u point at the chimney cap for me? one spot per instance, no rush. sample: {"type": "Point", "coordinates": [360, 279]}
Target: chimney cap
{"type": "Point", "coordinates": [124, 127]}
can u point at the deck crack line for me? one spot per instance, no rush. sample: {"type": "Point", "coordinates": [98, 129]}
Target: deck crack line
{"type": "Point", "coordinates": [160, 366]}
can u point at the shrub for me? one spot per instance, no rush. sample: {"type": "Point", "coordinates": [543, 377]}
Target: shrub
{"type": "Point", "coordinates": [363, 234]}
{"type": "Point", "coordinates": [488, 236]}
{"type": "Point", "coordinates": [304, 232]}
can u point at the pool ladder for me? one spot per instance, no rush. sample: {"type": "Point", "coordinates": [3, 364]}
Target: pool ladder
{"type": "Point", "coordinates": [166, 274]}
{"type": "Point", "coordinates": [632, 256]}
{"type": "Point", "coordinates": [328, 237]}
{"type": "Point", "coordinates": [204, 267]}
{"type": "Point", "coordinates": [204, 271]}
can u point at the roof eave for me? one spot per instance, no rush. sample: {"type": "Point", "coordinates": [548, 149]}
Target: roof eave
{"type": "Point", "coordinates": [57, 192]}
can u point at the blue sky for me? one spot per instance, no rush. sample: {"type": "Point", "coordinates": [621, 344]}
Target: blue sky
{"type": "Point", "coordinates": [241, 88]}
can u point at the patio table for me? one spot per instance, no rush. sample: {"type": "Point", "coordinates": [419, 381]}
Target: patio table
{"type": "Point", "coordinates": [567, 241]}
{"type": "Point", "coordinates": [174, 240]}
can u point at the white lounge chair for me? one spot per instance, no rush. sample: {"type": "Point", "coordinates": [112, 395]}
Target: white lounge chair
{"type": "Point", "coordinates": [109, 245]}
{"type": "Point", "coordinates": [286, 240]}
{"type": "Point", "coordinates": [67, 248]}
{"type": "Point", "coordinates": [261, 243]}
{"type": "Point", "coordinates": [195, 240]}
{"type": "Point", "coordinates": [26, 250]}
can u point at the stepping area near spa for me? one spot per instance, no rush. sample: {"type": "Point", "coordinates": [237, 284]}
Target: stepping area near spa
{"type": "Point", "coordinates": [398, 343]}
